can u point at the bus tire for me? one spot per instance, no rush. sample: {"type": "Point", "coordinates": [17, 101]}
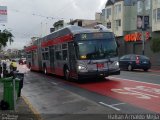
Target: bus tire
{"type": "Point", "coordinates": [66, 74]}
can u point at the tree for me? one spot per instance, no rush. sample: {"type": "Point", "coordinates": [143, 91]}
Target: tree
{"type": "Point", "coordinates": [5, 37]}
{"type": "Point", "coordinates": [155, 46]}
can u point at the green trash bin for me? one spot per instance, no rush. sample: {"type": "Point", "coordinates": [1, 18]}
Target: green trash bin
{"type": "Point", "coordinates": [8, 94]}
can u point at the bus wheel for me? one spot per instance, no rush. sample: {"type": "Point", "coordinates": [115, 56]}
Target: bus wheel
{"type": "Point", "coordinates": [66, 74]}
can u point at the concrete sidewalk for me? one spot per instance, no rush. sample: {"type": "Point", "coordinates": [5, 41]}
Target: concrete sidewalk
{"type": "Point", "coordinates": [23, 110]}
{"type": "Point", "coordinates": [155, 68]}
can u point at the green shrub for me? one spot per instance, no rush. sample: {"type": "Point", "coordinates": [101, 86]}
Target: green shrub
{"type": "Point", "coordinates": [155, 45]}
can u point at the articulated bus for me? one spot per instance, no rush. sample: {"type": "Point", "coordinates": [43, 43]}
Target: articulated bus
{"type": "Point", "coordinates": [75, 52]}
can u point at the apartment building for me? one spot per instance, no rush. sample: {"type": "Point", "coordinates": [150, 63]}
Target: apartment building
{"type": "Point", "coordinates": [85, 23]}
{"type": "Point", "coordinates": [155, 15]}
{"type": "Point", "coordinates": [121, 17]}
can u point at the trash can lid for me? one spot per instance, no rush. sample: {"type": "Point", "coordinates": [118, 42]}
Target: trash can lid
{"type": "Point", "coordinates": [10, 79]}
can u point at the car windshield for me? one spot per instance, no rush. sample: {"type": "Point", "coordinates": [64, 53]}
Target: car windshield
{"type": "Point", "coordinates": [97, 49]}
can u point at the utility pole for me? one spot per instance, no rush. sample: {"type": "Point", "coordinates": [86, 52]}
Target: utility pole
{"type": "Point", "coordinates": [143, 28]}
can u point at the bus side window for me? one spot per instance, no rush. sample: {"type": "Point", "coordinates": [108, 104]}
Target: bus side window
{"type": "Point", "coordinates": [58, 52]}
{"type": "Point", "coordinates": [58, 55]}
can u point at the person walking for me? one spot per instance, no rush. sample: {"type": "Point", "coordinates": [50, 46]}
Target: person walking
{"type": "Point", "coordinates": [13, 65]}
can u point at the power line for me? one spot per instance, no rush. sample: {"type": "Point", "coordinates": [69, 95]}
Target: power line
{"type": "Point", "coordinates": [37, 15]}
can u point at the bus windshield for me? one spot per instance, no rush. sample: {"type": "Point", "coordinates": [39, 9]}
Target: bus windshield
{"type": "Point", "coordinates": [97, 49]}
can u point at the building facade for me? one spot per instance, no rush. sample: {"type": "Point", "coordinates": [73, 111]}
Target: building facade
{"type": "Point", "coordinates": [85, 23]}
{"type": "Point", "coordinates": [125, 18]}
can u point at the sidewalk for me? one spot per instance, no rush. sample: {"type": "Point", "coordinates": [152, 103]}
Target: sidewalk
{"type": "Point", "coordinates": [155, 68]}
{"type": "Point", "coordinates": [22, 112]}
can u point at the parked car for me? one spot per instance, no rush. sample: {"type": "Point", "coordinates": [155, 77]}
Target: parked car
{"type": "Point", "coordinates": [133, 61]}
{"type": "Point", "coordinates": [22, 61]}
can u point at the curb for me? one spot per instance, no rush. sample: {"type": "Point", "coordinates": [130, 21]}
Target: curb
{"type": "Point", "coordinates": [35, 112]}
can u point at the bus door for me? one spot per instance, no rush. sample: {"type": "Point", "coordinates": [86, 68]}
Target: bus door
{"type": "Point", "coordinates": [72, 59]}
{"type": "Point", "coordinates": [33, 63]}
{"type": "Point", "coordinates": [34, 60]}
{"type": "Point", "coordinates": [51, 52]}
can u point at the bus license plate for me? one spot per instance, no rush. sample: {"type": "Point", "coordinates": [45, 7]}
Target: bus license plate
{"type": "Point", "coordinates": [100, 65]}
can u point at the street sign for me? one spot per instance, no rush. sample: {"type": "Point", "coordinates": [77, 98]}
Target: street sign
{"type": "Point", "coordinates": [3, 14]}
{"type": "Point", "coordinates": [146, 22]}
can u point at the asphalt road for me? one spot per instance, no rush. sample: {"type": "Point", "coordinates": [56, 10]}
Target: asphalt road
{"type": "Point", "coordinates": [134, 92]}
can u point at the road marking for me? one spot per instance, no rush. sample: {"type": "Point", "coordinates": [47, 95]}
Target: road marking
{"type": "Point", "coordinates": [54, 83]}
{"type": "Point", "coordinates": [139, 94]}
{"type": "Point", "coordinates": [102, 103]}
{"type": "Point", "coordinates": [27, 82]}
{"type": "Point", "coordinates": [132, 80]}
{"type": "Point", "coordinates": [35, 112]}
{"type": "Point", "coordinates": [148, 74]}
{"type": "Point", "coordinates": [118, 104]}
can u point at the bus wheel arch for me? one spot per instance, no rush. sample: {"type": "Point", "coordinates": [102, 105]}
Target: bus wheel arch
{"type": "Point", "coordinates": [66, 72]}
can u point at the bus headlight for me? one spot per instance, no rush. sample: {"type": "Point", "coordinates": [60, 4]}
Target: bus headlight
{"type": "Point", "coordinates": [116, 63]}
{"type": "Point", "coordinates": [80, 67]}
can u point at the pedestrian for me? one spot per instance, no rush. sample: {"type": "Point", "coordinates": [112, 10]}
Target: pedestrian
{"type": "Point", "coordinates": [4, 65]}
{"type": "Point", "coordinates": [13, 66]}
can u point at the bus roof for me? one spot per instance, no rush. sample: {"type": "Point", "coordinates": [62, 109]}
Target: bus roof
{"type": "Point", "coordinates": [70, 29]}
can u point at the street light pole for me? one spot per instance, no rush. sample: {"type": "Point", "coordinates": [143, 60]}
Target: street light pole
{"type": "Point", "coordinates": [143, 29]}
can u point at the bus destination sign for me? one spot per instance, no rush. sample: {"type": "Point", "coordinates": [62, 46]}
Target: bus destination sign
{"type": "Point", "coordinates": [89, 36]}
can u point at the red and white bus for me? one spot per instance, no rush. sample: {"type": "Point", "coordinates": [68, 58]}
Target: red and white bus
{"type": "Point", "coordinates": [75, 52]}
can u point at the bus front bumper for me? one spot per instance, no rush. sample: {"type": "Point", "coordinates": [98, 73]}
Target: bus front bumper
{"type": "Point", "coordinates": [97, 74]}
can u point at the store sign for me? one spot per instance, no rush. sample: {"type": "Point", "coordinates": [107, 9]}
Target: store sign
{"type": "Point", "coordinates": [3, 14]}
{"type": "Point", "coordinates": [133, 37]}
{"type": "Point", "coordinates": [136, 37]}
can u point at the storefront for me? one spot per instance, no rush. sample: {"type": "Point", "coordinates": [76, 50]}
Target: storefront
{"type": "Point", "coordinates": [131, 43]}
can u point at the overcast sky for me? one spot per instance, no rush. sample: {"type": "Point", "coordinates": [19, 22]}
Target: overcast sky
{"type": "Point", "coordinates": [28, 18]}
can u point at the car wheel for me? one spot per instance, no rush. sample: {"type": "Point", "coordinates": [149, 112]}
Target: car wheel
{"type": "Point", "coordinates": [130, 68]}
{"type": "Point", "coordinates": [145, 69]}
{"type": "Point", "coordinates": [66, 74]}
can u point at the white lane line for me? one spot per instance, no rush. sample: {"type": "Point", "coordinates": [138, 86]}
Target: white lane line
{"type": "Point", "coordinates": [118, 104]}
{"type": "Point", "coordinates": [132, 80]}
{"type": "Point", "coordinates": [54, 83]}
{"type": "Point", "coordinates": [148, 74]}
{"type": "Point", "coordinates": [110, 106]}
